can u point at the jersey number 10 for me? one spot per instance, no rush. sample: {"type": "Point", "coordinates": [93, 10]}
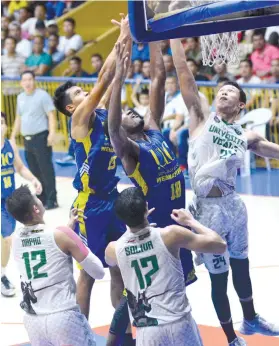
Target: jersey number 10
{"type": "Point", "coordinates": [33, 273]}
{"type": "Point", "coordinates": [143, 263]}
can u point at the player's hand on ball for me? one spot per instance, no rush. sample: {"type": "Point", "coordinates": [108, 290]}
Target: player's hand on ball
{"type": "Point", "coordinates": [182, 216]}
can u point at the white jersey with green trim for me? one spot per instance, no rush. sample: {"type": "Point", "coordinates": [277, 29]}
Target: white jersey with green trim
{"type": "Point", "coordinates": [153, 279]}
{"type": "Point", "coordinates": [215, 155]}
{"type": "Point", "coordinates": [47, 281]}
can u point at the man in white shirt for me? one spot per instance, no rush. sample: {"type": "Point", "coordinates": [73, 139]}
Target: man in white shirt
{"type": "Point", "coordinates": [23, 46]}
{"type": "Point", "coordinates": [247, 77]}
{"type": "Point", "coordinates": [30, 24]}
{"type": "Point", "coordinates": [71, 42]}
{"type": "Point", "coordinates": [11, 62]}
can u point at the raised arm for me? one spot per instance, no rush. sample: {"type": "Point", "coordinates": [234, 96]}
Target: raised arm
{"type": "Point", "coordinates": [188, 87]}
{"type": "Point", "coordinates": [83, 114]}
{"type": "Point", "coordinates": [262, 146]}
{"type": "Point", "coordinates": [203, 240]}
{"type": "Point", "coordinates": [124, 148]}
{"type": "Point", "coordinates": [157, 88]}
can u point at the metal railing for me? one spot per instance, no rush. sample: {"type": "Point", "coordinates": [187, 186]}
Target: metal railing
{"type": "Point", "coordinates": [258, 96]}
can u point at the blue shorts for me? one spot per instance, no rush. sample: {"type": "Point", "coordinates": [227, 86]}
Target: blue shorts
{"type": "Point", "coordinates": [101, 226]}
{"type": "Point", "coordinates": [8, 223]}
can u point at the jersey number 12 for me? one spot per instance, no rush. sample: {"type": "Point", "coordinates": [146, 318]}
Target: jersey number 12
{"type": "Point", "coordinates": [33, 273]}
{"type": "Point", "coordinates": [143, 263]}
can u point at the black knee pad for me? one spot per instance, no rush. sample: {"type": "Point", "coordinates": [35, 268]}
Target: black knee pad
{"type": "Point", "coordinates": [241, 277]}
{"type": "Point", "coordinates": [120, 319]}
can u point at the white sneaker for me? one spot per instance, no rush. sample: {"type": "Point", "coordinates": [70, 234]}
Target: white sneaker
{"type": "Point", "coordinates": [7, 288]}
{"type": "Point", "coordinates": [238, 342]}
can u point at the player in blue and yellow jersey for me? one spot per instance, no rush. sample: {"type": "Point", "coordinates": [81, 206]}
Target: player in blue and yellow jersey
{"type": "Point", "coordinates": [96, 163]}
{"type": "Point", "coordinates": [10, 162]}
{"type": "Point", "coordinates": [145, 155]}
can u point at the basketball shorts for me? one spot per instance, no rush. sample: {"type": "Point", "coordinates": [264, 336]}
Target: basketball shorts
{"type": "Point", "coordinates": [68, 327]}
{"type": "Point", "coordinates": [8, 223]}
{"type": "Point", "coordinates": [101, 225]}
{"type": "Point", "coordinates": [184, 332]}
{"type": "Point", "coordinates": [228, 217]}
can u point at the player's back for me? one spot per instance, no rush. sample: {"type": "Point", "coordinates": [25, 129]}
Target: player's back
{"type": "Point", "coordinates": [95, 158]}
{"type": "Point", "coordinates": [159, 176]}
{"type": "Point", "coordinates": [153, 278]}
{"type": "Point", "coordinates": [7, 170]}
{"type": "Point", "coordinates": [47, 280]}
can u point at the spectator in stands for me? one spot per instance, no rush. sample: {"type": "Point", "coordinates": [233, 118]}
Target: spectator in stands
{"type": "Point", "coordinates": [274, 72]}
{"type": "Point", "coordinates": [4, 35]}
{"type": "Point", "coordinates": [30, 24]}
{"type": "Point", "coordinates": [11, 63]}
{"type": "Point", "coordinates": [193, 50]}
{"type": "Point", "coordinates": [140, 51]}
{"type": "Point", "coordinates": [262, 55]}
{"type": "Point", "coordinates": [14, 8]}
{"type": "Point", "coordinates": [36, 122]}
{"type": "Point", "coordinates": [146, 70]}
{"type": "Point", "coordinates": [4, 8]}
{"type": "Point", "coordinates": [71, 42]}
{"type": "Point", "coordinates": [52, 49]}
{"type": "Point", "coordinates": [169, 66]}
{"type": "Point", "coordinates": [175, 116]}
{"type": "Point", "coordinates": [140, 99]}
{"type": "Point", "coordinates": [23, 46]}
{"type": "Point", "coordinates": [97, 63]}
{"type": "Point", "coordinates": [75, 68]}
{"type": "Point", "coordinates": [272, 35]}
{"type": "Point", "coordinates": [137, 69]}
{"type": "Point", "coordinates": [41, 31]}
{"type": "Point", "coordinates": [55, 9]}
{"type": "Point", "coordinates": [246, 73]}
{"type": "Point", "coordinates": [39, 62]}
{"type": "Point", "coordinates": [5, 22]}
{"type": "Point", "coordinates": [24, 14]}
{"type": "Point", "coordinates": [165, 47]}
{"type": "Point", "coordinates": [194, 67]}
{"type": "Point", "coordinates": [221, 72]}
{"type": "Point", "coordinates": [52, 28]}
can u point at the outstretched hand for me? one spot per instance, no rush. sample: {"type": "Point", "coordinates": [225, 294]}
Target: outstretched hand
{"type": "Point", "coordinates": [122, 60]}
{"type": "Point", "coordinates": [123, 24]}
{"type": "Point", "coordinates": [75, 215]}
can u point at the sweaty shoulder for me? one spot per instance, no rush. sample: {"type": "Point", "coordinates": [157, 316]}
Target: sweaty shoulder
{"type": "Point", "coordinates": [168, 238]}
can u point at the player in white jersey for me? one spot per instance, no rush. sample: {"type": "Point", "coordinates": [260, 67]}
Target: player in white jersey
{"type": "Point", "coordinates": [44, 259]}
{"type": "Point", "coordinates": [216, 149]}
{"type": "Point", "coordinates": [151, 269]}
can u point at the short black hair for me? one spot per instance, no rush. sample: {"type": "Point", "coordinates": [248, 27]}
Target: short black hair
{"type": "Point", "coordinates": [20, 204]}
{"type": "Point", "coordinates": [242, 95]}
{"type": "Point", "coordinates": [40, 4]}
{"type": "Point", "coordinates": [258, 33]}
{"type": "Point", "coordinates": [70, 20]}
{"type": "Point", "coordinates": [10, 38]}
{"type": "Point", "coordinates": [223, 80]}
{"type": "Point", "coordinates": [249, 62]}
{"type": "Point", "coordinates": [97, 55]}
{"type": "Point", "coordinates": [62, 98]}
{"type": "Point", "coordinates": [77, 59]}
{"type": "Point", "coordinates": [193, 61]}
{"type": "Point", "coordinates": [130, 206]}
{"type": "Point", "coordinates": [27, 72]}
{"type": "Point", "coordinates": [4, 116]}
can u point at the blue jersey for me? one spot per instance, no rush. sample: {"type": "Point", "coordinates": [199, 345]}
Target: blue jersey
{"type": "Point", "coordinates": [159, 176]}
{"type": "Point", "coordinates": [95, 158]}
{"type": "Point", "coordinates": [7, 170]}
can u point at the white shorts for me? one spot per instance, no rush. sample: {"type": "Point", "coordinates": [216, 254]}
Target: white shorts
{"type": "Point", "coordinates": [228, 217]}
{"type": "Point", "coordinates": [65, 328]}
{"type": "Point", "coordinates": [184, 332]}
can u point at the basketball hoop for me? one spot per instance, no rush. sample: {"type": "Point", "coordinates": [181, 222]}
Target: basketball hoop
{"type": "Point", "coordinates": [218, 48]}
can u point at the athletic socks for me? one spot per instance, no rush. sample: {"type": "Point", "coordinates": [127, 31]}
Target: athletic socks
{"type": "Point", "coordinates": [228, 330]}
{"type": "Point", "coordinates": [248, 309]}
{"type": "Point", "coordinates": [3, 271]}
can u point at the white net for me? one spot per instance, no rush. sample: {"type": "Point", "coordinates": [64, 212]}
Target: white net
{"type": "Point", "coordinates": [218, 48]}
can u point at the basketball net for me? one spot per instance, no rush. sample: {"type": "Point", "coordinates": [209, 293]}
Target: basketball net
{"type": "Point", "coordinates": [218, 48]}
